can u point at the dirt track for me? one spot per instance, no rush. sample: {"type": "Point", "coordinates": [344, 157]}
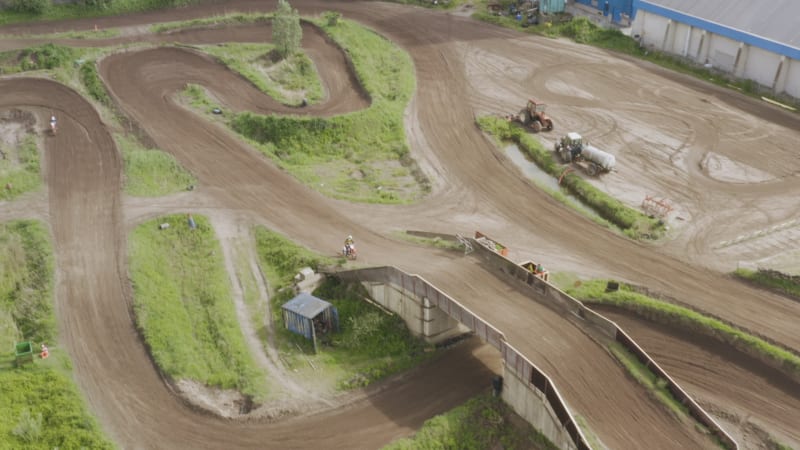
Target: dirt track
{"type": "Point", "coordinates": [463, 69]}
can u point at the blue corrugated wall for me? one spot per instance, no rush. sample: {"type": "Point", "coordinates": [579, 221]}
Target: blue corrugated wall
{"type": "Point", "coordinates": [615, 7]}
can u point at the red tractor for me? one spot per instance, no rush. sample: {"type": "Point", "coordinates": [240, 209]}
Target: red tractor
{"type": "Point", "coordinates": [534, 117]}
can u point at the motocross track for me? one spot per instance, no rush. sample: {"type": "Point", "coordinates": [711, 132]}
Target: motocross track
{"type": "Point", "coordinates": [463, 69]}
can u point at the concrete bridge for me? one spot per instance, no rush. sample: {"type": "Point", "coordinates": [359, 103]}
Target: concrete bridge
{"type": "Point", "coordinates": [435, 316]}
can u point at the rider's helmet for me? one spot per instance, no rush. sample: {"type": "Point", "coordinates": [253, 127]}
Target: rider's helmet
{"type": "Point", "coordinates": [350, 237]}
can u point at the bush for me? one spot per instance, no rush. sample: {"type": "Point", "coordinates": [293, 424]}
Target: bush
{"type": "Point", "coordinates": [47, 56]}
{"type": "Point", "coordinates": [29, 6]}
{"type": "Point", "coordinates": [93, 84]}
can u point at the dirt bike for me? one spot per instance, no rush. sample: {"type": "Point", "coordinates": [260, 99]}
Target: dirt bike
{"type": "Point", "coordinates": [53, 127]}
{"type": "Point", "coordinates": [349, 252]}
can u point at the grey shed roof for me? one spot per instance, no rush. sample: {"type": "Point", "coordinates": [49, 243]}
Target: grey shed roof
{"type": "Point", "coordinates": [306, 305]}
{"type": "Point", "coordinates": [776, 20]}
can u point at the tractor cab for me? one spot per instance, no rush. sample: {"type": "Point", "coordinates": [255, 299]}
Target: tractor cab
{"type": "Point", "coordinates": [536, 107]}
{"type": "Point", "coordinates": [573, 139]}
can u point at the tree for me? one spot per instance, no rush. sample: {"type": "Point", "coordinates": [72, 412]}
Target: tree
{"type": "Point", "coordinates": [286, 31]}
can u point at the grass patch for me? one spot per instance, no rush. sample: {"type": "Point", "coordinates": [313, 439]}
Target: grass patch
{"type": "Point", "coordinates": [772, 280]}
{"type": "Point", "coordinates": [370, 345]}
{"type": "Point", "coordinates": [151, 172]}
{"type": "Point", "coordinates": [78, 10]}
{"type": "Point", "coordinates": [183, 306]}
{"type": "Point", "coordinates": [46, 56]}
{"type": "Point", "coordinates": [655, 385]}
{"type": "Point", "coordinates": [19, 169]}
{"type": "Point", "coordinates": [627, 298]}
{"type": "Point", "coordinates": [217, 20]}
{"type": "Point", "coordinates": [288, 81]}
{"type": "Point", "coordinates": [26, 284]}
{"type": "Point", "coordinates": [435, 242]}
{"type": "Point", "coordinates": [361, 156]}
{"type": "Point", "coordinates": [91, 80]}
{"type": "Point", "coordinates": [632, 222]}
{"type": "Point", "coordinates": [41, 407]}
{"type": "Point", "coordinates": [483, 422]}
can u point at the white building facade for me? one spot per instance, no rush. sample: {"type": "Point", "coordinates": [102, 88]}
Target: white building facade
{"type": "Point", "coordinates": [736, 36]}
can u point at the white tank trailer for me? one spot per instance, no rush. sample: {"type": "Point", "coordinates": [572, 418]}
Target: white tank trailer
{"type": "Point", "coordinates": [571, 148]}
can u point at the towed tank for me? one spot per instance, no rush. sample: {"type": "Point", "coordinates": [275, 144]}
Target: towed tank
{"type": "Point", "coordinates": [599, 157]}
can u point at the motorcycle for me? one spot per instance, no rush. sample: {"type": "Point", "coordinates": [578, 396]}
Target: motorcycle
{"type": "Point", "coordinates": [349, 252]}
{"type": "Point", "coordinates": [53, 126]}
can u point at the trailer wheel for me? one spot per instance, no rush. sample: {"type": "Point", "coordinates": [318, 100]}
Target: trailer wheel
{"type": "Point", "coordinates": [592, 169]}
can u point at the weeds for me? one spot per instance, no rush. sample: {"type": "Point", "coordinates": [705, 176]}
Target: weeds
{"type": "Point", "coordinates": [151, 172]}
{"type": "Point", "coordinates": [289, 81]}
{"type": "Point", "coordinates": [370, 344]}
{"type": "Point", "coordinates": [93, 84]}
{"type": "Point", "coordinates": [346, 156]}
{"type": "Point", "coordinates": [19, 169]}
{"type": "Point", "coordinates": [183, 306]}
{"type": "Point", "coordinates": [482, 422]}
{"type": "Point", "coordinates": [772, 280]}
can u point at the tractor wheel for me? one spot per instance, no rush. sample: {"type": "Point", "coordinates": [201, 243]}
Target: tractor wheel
{"type": "Point", "coordinates": [524, 117]}
{"type": "Point", "coordinates": [536, 125]}
{"type": "Point", "coordinates": [549, 126]}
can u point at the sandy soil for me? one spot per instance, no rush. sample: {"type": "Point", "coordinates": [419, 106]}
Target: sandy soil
{"type": "Point", "coordinates": [724, 160]}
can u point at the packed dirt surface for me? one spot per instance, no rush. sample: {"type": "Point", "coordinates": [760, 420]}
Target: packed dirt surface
{"type": "Point", "coordinates": [674, 137]}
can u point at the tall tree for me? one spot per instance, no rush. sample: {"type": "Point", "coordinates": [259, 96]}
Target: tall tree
{"type": "Point", "coordinates": [286, 31]}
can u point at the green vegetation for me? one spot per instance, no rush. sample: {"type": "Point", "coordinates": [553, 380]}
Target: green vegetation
{"type": "Point", "coordinates": [288, 81]}
{"type": "Point", "coordinates": [183, 306]}
{"type": "Point", "coordinates": [655, 385]}
{"type": "Point", "coordinates": [361, 156]}
{"type": "Point", "coordinates": [484, 422]}
{"type": "Point", "coordinates": [286, 31]}
{"type": "Point", "coordinates": [26, 284]}
{"type": "Point", "coordinates": [632, 222]}
{"type": "Point", "coordinates": [81, 9]}
{"type": "Point", "coordinates": [371, 343]}
{"type": "Point", "coordinates": [19, 169]}
{"type": "Point", "coordinates": [151, 172]}
{"type": "Point", "coordinates": [93, 84]}
{"type": "Point", "coordinates": [47, 56]}
{"type": "Point", "coordinates": [770, 279]}
{"type": "Point", "coordinates": [627, 298]}
{"type": "Point", "coordinates": [584, 31]}
{"type": "Point", "coordinates": [41, 408]}
{"type": "Point", "coordinates": [226, 19]}
{"type": "Point", "coordinates": [436, 242]}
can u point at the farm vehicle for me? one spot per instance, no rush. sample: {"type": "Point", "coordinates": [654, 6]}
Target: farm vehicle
{"type": "Point", "coordinates": [573, 149]}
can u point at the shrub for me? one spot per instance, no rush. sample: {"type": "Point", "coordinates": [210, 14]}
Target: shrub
{"type": "Point", "coordinates": [47, 56]}
{"type": "Point", "coordinates": [93, 84]}
{"type": "Point", "coordinates": [29, 6]}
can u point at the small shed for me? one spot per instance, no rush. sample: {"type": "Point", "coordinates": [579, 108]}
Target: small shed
{"type": "Point", "coordinates": [310, 316]}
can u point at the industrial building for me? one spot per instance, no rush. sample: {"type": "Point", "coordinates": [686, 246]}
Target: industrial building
{"type": "Point", "coordinates": [757, 40]}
